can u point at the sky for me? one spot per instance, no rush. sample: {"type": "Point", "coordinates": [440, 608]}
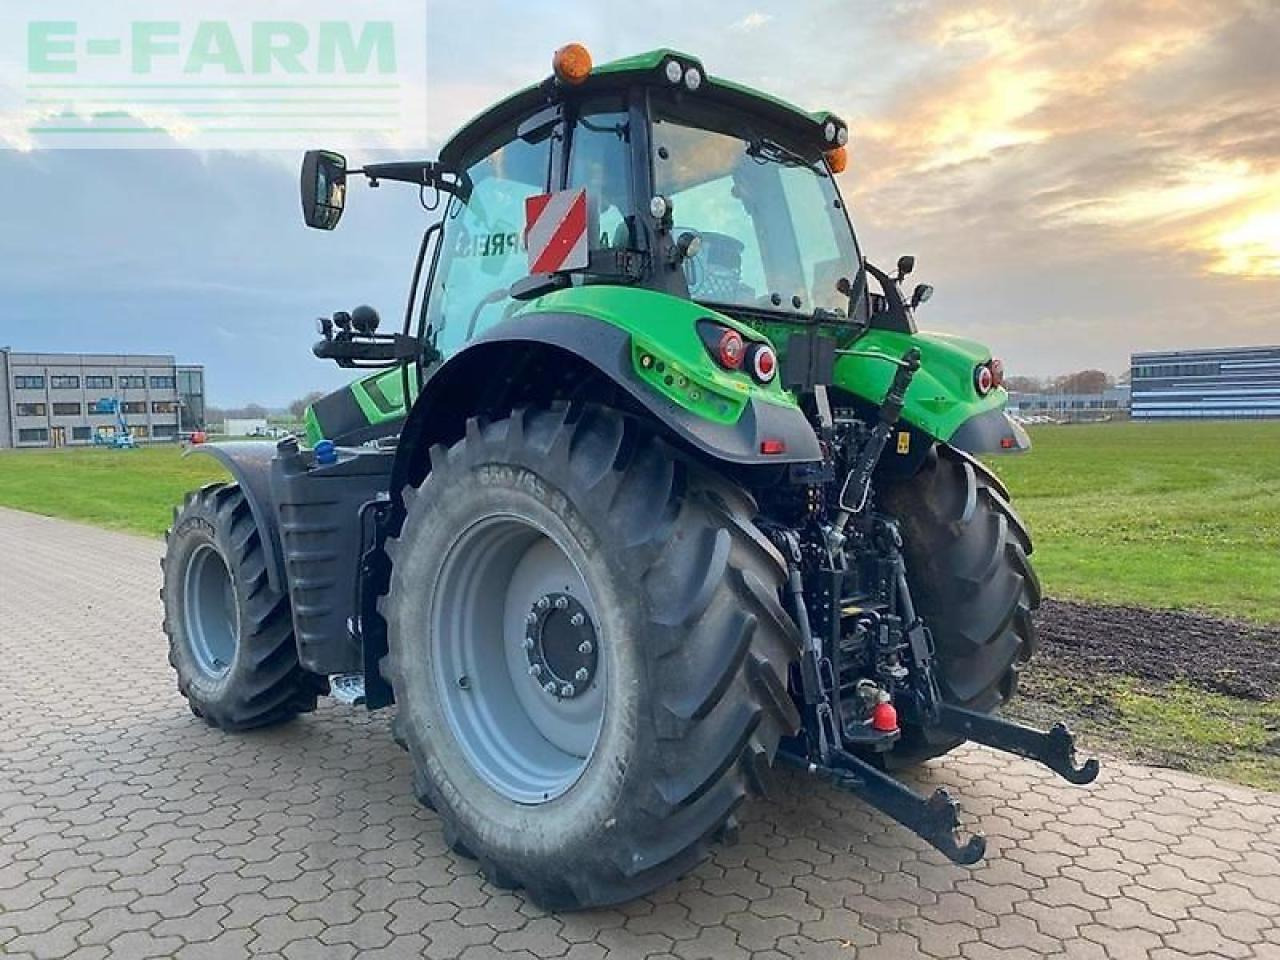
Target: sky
{"type": "Point", "coordinates": [1078, 179]}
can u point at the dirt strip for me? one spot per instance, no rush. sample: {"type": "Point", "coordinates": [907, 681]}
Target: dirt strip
{"type": "Point", "coordinates": [1226, 656]}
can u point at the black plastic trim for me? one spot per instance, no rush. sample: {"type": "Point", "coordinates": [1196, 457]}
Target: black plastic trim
{"type": "Point", "coordinates": [250, 464]}
{"type": "Point", "coordinates": [985, 433]}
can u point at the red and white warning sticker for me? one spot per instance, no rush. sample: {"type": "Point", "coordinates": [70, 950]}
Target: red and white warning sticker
{"type": "Point", "coordinates": [555, 231]}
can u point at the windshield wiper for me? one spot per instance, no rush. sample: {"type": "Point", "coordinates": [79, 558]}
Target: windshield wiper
{"type": "Point", "coordinates": [764, 150]}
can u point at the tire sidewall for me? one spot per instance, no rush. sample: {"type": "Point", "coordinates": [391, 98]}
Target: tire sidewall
{"type": "Point", "coordinates": [568, 826]}
{"type": "Point", "coordinates": [198, 527]}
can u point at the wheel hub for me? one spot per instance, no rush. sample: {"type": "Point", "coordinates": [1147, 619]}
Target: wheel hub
{"type": "Point", "coordinates": [560, 644]}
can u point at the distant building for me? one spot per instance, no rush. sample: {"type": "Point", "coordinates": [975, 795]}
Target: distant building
{"type": "Point", "coordinates": [1231, 382]}
{"type": "Point", "coordinates": [1070, 406]}
{"type": "Point", "coordinates": [66, 399]}
{"type": "Point", "coordinates": [245, 426]}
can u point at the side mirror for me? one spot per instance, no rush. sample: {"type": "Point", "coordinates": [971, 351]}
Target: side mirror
{"type": "Point", "coordinates": [921, 294]}
{"type": "Point", "coordinates": [906, 264]}
{"type": "Point", "coordinates": [324, 188]}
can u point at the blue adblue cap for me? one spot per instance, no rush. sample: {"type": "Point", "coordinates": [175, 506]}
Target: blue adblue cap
{"type": "Point", "coordinates": [326, 453]}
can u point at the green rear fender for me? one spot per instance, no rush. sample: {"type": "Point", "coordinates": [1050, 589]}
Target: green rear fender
{"type": "Point", "coordinates": [668, 355]}
{"type": "Point", "coordinates": [942, 397]}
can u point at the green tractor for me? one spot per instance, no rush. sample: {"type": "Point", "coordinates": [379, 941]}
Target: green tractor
{"type": "Point", "coordinates": [656, 485]}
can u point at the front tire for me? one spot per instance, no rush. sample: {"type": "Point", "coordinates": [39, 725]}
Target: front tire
{"type": "Point", "coordinates": [594, 795]}
{"type": "Point", "coordinates": [967, 559]}
{"type": "Point", "coordinates": [230, 634]}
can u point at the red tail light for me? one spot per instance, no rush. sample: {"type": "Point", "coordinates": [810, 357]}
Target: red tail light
{"type": "Point", "coordinates": [730, 349]}
{"type": "Point", "coordinates": [772, 447]}
{"type": "Point", "coordinates": [984, 380]}
{"type": "Point", "coordinates": [997, 372]}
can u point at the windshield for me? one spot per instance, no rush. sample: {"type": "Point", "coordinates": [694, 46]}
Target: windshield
{"type": "Point", "coordinates": [774, 232]}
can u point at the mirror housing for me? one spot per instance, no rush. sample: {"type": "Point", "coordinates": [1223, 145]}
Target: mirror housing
{"type": "Point", "coordinates": [324, 188]}
{"type": "Point", "coordinates": [906, 263]}
{"type": "Point", "coordinates": [921, 294]}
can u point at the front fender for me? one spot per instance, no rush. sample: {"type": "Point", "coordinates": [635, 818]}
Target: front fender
{"type": "Point", "coordinates": [249, 463]}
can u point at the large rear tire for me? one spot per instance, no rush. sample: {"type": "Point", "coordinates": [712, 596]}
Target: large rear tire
{"type": "Point", "coordinates": [230, 634]}
{"type": "Point", "coordinates": [968, 567]}
{"type": "Point", "coordinates": [599, 776]}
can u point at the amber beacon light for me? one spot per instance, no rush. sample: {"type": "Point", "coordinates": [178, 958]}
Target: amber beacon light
{"type": "Point", "coordinates": [571, 64]}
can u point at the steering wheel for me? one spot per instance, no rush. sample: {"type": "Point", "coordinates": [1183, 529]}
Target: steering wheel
{"type": "Point", "coordinates": [716, 272]}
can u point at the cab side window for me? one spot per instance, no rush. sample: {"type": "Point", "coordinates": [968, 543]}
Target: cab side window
{"type": "Point", "coordinates": [600, 161]}
{"type": "Point", "coordinates": [482, 251]}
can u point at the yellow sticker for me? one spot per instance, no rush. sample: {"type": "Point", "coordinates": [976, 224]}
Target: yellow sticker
{"type": "Point", "coordinates": [904, 442]}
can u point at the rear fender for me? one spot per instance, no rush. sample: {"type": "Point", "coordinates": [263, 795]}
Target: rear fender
{"type": "Point", "coordinates": [556, 353]}
{"type": "Point", "coordinates": [943, 401]}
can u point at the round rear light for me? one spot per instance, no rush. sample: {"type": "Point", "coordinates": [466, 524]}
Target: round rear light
{"type": "Point", "coordinates": [764, 362]}
{"type": "Point", "coordinates": [997, 372]}
{"type": "Point", "coordinates": [730, 350]}
{"type": "Point", "coordinates": [984, 380]}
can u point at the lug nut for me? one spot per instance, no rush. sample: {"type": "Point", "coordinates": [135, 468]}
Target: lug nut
{"type": "Point", "coordinates": [561, 602]}
{"type": "Point", "coordinates": [581, 675]}
{"type": "Point", "coordinates": [567, 690]}
{"type": "Point", "coordinates": [577, 620]}
{"type": "Point", "coordinates": [527, 643]}
{"type": "Point", "coordinates": [585, 648]}
{"type": "Point", "coordinates": [535, 670]}
{"type": "Point", "coordinates": [549, 687]}
{"type": "Point", "coordinates": [531, 618]}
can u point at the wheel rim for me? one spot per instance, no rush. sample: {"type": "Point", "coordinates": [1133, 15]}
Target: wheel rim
{"type": "Point", "coordinates": [211, 613]}
{"type": "Point", "coordinates": [516, 661]}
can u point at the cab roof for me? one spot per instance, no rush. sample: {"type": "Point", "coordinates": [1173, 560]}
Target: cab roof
{"type": "Point", "coordinates": [645, 68]}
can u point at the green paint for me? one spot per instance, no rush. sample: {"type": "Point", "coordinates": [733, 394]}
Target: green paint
{"type": "Point", "coordinates": [942, 394]}
{"type": "Point", "coordinates": [644, 65]}
{"type": "Point", "coordinates": [941, 397]}
{"type": "Point", "coordinates": [380, 397]}
{"type": "Point", "coordinates": [664, 327]}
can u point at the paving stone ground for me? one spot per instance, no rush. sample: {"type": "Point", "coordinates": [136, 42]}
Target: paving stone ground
{"type": "Point", "coordinates": [130, 829]}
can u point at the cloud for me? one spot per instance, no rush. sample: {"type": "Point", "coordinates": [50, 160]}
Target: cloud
{"type": "Point", "coordinates": [752, 21]}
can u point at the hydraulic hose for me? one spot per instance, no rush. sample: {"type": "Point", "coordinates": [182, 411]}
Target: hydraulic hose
{"type": "Point", "coordinates": [857, 484]}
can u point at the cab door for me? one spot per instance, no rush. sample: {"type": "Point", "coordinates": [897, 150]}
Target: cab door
{"type": "Point", "coordinates": [482, 248]}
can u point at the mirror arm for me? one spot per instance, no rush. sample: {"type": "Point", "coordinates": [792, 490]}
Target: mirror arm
{"type": "Point", "coordinates": [421, 173]}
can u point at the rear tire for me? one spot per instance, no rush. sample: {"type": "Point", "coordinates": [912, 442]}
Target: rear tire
{"type": "Point", "coordinates": [680, 591]}
{"type": "Point", "coordinates": [230, 634]}
{"type": "Point", "coordinates": [966, 553]}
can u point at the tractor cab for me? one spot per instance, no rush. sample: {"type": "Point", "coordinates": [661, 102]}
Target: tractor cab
{"type": "Point", "coordinates": [683, 183]}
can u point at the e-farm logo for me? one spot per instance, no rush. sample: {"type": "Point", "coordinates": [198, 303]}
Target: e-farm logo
{"type": "Point", "coordinates": [216, 74]}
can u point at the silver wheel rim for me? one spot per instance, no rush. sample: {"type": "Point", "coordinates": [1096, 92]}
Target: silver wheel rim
{"type": "Point", "coordinates": [211, 612]}
{"type": "Point", "coordinates": [512, 620]}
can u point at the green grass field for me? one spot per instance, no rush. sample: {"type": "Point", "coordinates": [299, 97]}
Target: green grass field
{"type": "Point", "coordinates": [1177, 515]}
{"type": "Point", "coordinates": [1174, 515]}
{"type": "Point", "coordinates": [132, 490]}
